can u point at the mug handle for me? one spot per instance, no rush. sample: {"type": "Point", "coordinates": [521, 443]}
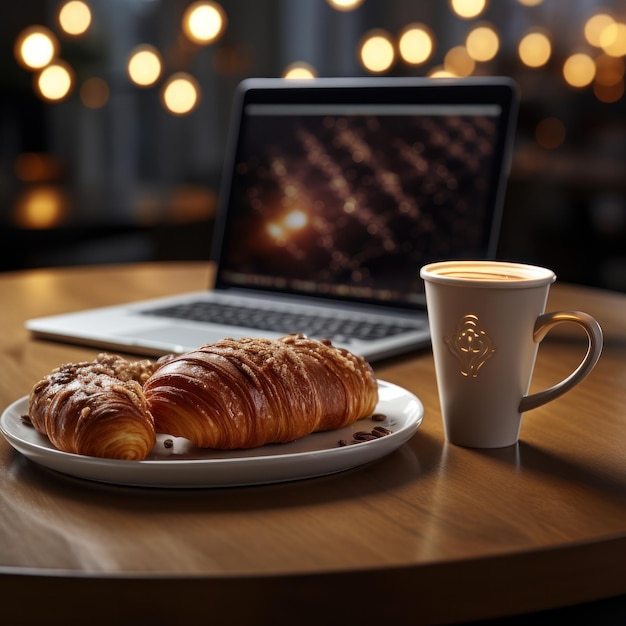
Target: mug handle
{"type": "Point", "coordinates": [543, 326]}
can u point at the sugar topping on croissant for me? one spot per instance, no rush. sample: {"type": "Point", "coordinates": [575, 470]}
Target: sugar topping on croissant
{"type": "Point", "coordinates": [230, 394]}
{"type": "Point", "coordinates": [96, 408]}
{"type": "Point", "coordinates": [244, 393]}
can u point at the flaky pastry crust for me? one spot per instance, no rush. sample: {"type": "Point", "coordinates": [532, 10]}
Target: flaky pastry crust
{"type": "Point", "coordinates": [248, 392]}
{"type": "Point", "coordinates": [96, 408]}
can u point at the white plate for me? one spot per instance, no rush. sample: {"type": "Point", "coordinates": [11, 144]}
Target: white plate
{"type": "Point", "coordinates": [184, 465]}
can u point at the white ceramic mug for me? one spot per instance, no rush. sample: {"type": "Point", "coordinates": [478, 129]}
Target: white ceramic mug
{"type": "Point", "coordinates": [486, 320]}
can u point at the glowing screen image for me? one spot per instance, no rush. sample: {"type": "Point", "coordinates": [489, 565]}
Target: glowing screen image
{"type": "Point", "coordinates": [355, 202]}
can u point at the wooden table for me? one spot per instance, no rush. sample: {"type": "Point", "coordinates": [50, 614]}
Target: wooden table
{"type": "Point", "coordinates": [430, 533]}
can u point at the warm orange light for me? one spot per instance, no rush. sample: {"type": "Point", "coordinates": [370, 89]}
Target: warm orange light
{"type": "Point", "coordinates": [204, 22]}
{"type": "Point", "coordinates": [345, 5]}
{"type": "Point", "coordinates": [458, 62]}
{"type": "Point", "coordinates": [377, 52]}
{"type": "Point", "coordinates": [416, 44]}
{"type": "Point", "coordinates": [295, 220]}
{"type": "Point", "coordinates": [579, 70]}
{"type": "Point", "coordinates": [94, 93]}
{"type": "Point", "coordinates": [181, 94]}
{"type": "Point", "coordinates": [550, 133]}
{"type": "Point", "coordinates": [43, 206]}
{"type": "Point", "coordinates": [482, 43]}
{"type": "Point", "coordinates": [613, 39]}
{"type": "Point", "coordinates": [594, 27]}
{"type": "Point", "coordinates": [299, 70]}
{"type": "Point", "coordinates": [144, 65]}
{"type": "Point", "coordinates": [468, 8]}
{"type": "Point", "coordinates": [535, 49]}
{"type": "Point", "coordinates": [35, 47]}
{"type": "Point", "coordinates": [37, 167]}
{"type": "Point", "coordinates": [609, 93]}
{"type": "Point", "coordinates": [55, 81]}
{"type": "Point", "coordinates": [609, 70]}
{"type": "Point", "coordinates": [75, 17]}
{"type": "Point", "coordinates": [440, 72]}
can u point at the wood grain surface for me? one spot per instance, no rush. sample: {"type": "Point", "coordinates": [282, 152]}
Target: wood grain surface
{"type": "Point", "coordinates": [432, 533]}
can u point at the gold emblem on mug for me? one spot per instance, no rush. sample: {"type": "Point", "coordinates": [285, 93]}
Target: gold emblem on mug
{"type": "Point", "coordinates": [471, 345]}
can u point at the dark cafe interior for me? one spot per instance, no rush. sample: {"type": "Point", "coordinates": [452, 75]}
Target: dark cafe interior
{"type": "Point", "coordinates": [114, 121]}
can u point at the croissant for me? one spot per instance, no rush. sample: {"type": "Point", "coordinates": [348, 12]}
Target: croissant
{"type": "Point", "coordinates": [248, 392]}
{"type": "Point", "coordinates": [95, 409]}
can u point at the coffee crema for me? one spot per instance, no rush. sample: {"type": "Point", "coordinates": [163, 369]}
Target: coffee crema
{"type": "Point", "coordinates": [487, 273]}
{"type": "Point", "coordinates": [483, 275]}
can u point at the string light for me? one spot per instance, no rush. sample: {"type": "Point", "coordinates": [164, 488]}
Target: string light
{"type": "Point", "coordinates": [181, 94]}
{"type": "Point", "coordinates": [416, 44]}
{"type": "Point", "coordinates": [204, 22]}
{"type": "Point", "coordinates": [41, 206]}
{"type": "Point", "coordinates": [579, 70]}
{"type": "Point", "coordinates": [74, 17]}
{"type": "Point", "coordinates": [482, 43]}
{"type": "Point", "coordinates": [55, 81]}
{"type": "Point", "coordinates": [609, 70]}
{"type": "Point", "coordinates": [550, 133]}
{"type": "Point", "coordinates": [613, 39]}
{"type": "Point", "coordinates": [377, 52]}
{"type": "Point", "coordinates": [35, 47]}
{"type": "Point", "coordinates": [440, 72]}
{"type": "Point", "coordinates": [298, 70]}
{"type": "Point", "coordinates": [458, 62]}
{"type": "Point", "coordinates": [94, 93]}
{"type": "Point", "coordinates": [468, 8]}
{"type": "Point", "coordinates": [535, 49]}
{"type": "Point", "coordinates": [345, 5]}
{"type": "Point", "coordinates": [609, 93]}
{"type": "Point", "coordinates": [144, 65]}
{"type": "Point", "coordinates": [594, 27]}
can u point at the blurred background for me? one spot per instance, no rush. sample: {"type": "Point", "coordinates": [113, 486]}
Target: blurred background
{"type": "Point", "coordinates": [114, 114]}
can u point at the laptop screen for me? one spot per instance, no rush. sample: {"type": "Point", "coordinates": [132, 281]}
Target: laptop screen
{"type": "Point", "coordinates": [346, 195]}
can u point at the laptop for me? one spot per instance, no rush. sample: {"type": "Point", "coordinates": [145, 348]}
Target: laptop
{"type": "Point", "coordinates": [334, 193]}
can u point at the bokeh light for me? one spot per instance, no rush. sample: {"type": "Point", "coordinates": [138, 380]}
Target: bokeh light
{"type": "Point", "coordinates": [416, 44]}
{"type": "Point", "coordinates": [35, 47]}
{"type": "Point", "coordinates": [94, 93]}
{"type": "Point", "coordinates": [55, 81]}
{"type": "Point", "coordinates": [37, 167]}
{"type": "Point", "coordinates": [74, 17]}
{"type": "Point", "coordinates": [345, 5]}
{"type": "Point", "coordinates": [440, 72]}
{"type": "Point", "coordinates": [594, 27]}
{"type": "Point", "coordinates": [377, 51]}
{"type": "Point", "coordinates": [298, 70]}
{"type": "Point", "coordinates": [535, 49]}
{"type": "Point", "coordinates": [181, 94]}
{"type": "Point", "coordinates": [530, 3]}
{"type": "Point", "coordinates": [579, 70]}
{"type": "Point", "coordinates": [204, 22]}
{"type": "Point", "coordinates": [144, 65]}
{"type": "Point", "coordinates": [609, 70]}
{"type": "Point", "coordinates": [609, 93]}
{"type": "Point", "coordinates": [482, 43]}
{"type": "Point", "coordinates": [468, 9]}
{"type": "Point", "coordinates": [550, 133]}
{"type": "Point", "coordinates": [458, 62]}
{"type": "Point", "coordinates": [613, 39]}
{"type": "Point", "coordinates": [42, 206]}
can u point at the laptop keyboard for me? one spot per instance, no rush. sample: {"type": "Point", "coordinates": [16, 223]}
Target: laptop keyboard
{"type": "Point", "coordinates": [280, 321]}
